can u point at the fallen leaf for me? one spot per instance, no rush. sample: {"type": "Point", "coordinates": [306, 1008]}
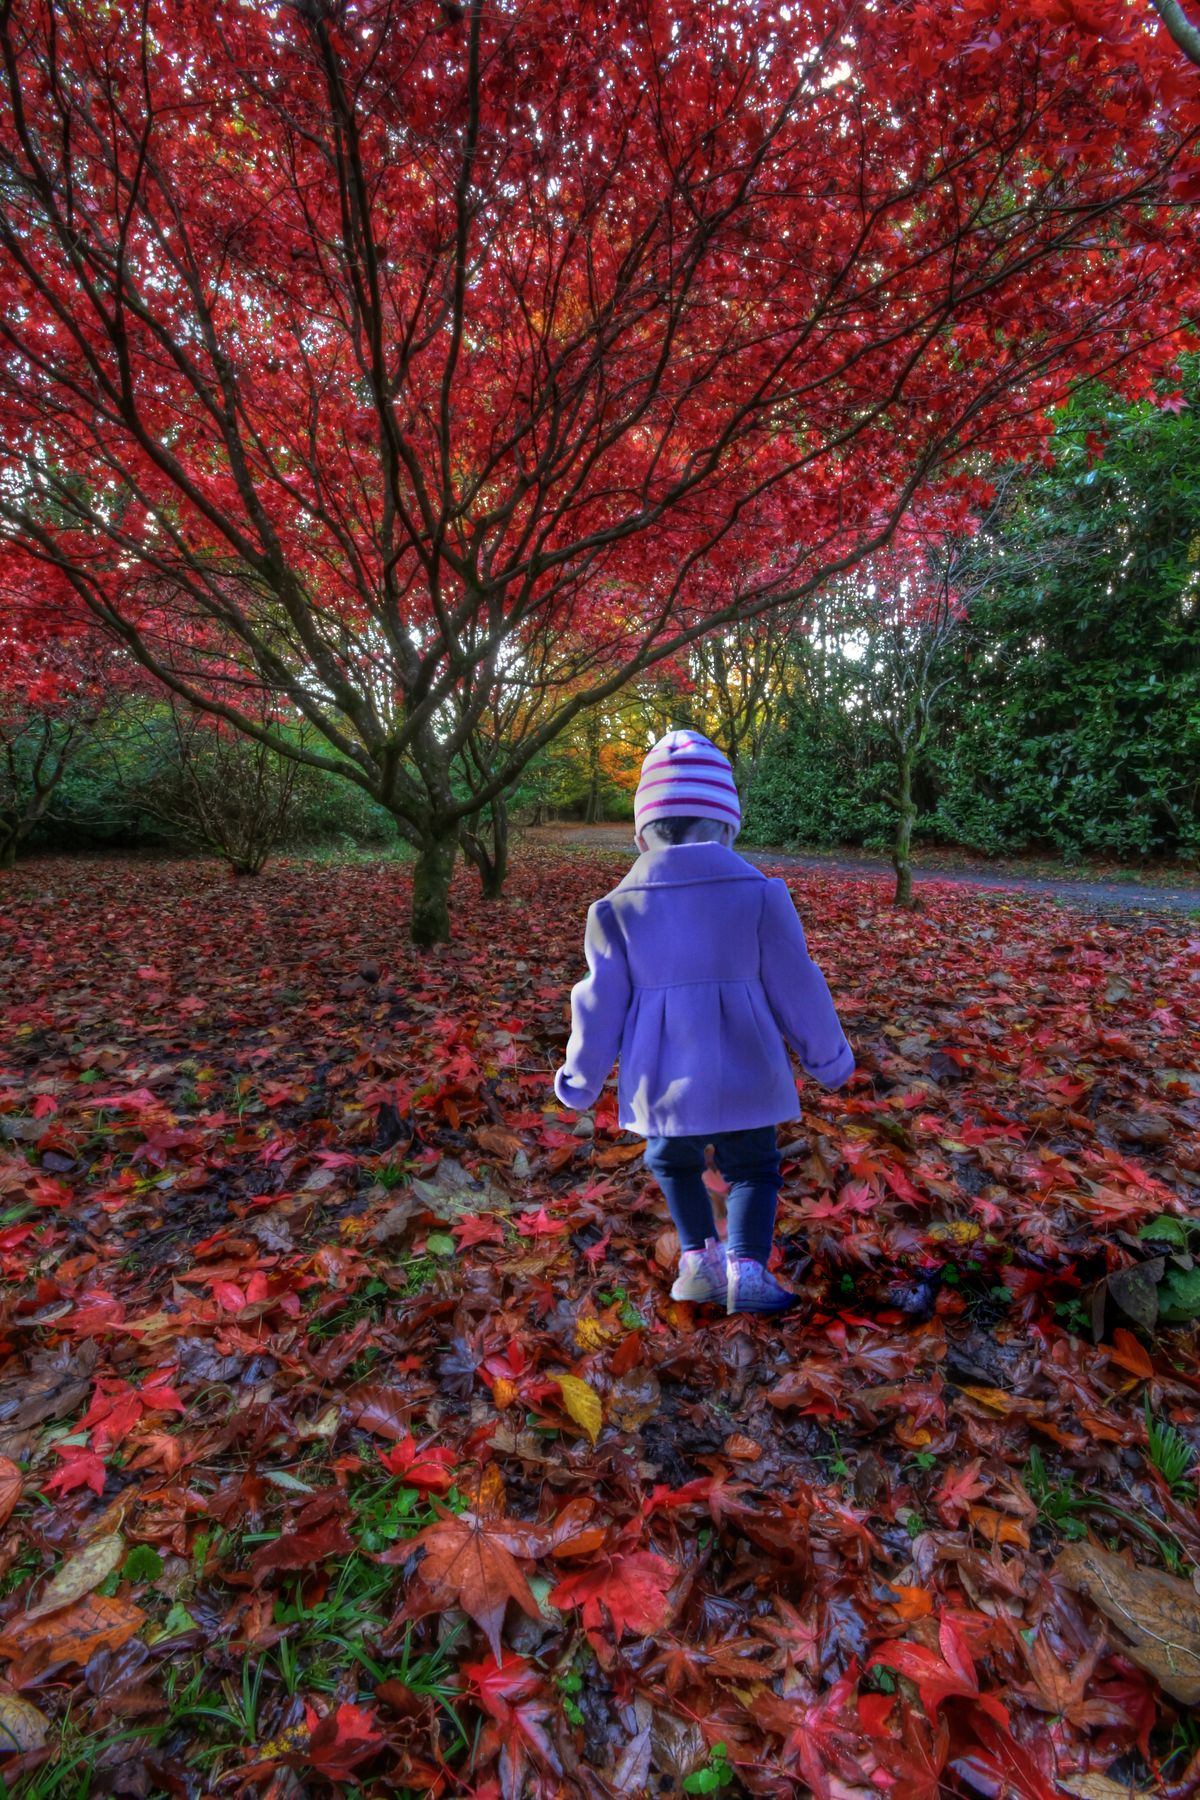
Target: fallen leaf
{"type": "Point", "coordinates": [1156, 1616]}
{"type": "Point", "coordinates": [301, 1549]}
{"type": "Point", "coordinates": [22, 1726]}
{"type": "Point", "coordinates": [582, 1403]}
{"type": "Point", "coordinates": [629, 1591]}
{"type": "Point", "coordinates": [80, 1574]}
{"type": "Point", "coordinates": [73, 1634]}
{"type": "Point", "coordinates": [465, 1564]}
{"type": "Point", "coordinates": [11, 1483]}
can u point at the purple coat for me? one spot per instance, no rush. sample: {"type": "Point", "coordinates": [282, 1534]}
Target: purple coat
{"type": "Point", "coordinates": [698, 973]}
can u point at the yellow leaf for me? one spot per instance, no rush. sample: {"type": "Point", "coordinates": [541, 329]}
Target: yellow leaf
{"type": "Point", "coordinates": [996, 1400]}
{"type": "Point", "coordinates": [22, 1726]}
{"type": "Point", "coordinates": [326, 1426]}
{"type": "Point", "coordinates": [583, 1404]}
{"type": "Point", "coordinates": [590, 1334]}
{"type": "Point", "coordinates": [80, 1574]}
{"type": "Point", "coordinates": [954, 1231]}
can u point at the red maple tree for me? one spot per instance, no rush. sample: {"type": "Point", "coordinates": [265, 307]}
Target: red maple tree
{"type": "Point", "coordinates": [373, 349]}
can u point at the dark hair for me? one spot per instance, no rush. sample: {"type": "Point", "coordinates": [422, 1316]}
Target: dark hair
{"type": "Point", "coordinates": [677, 830]}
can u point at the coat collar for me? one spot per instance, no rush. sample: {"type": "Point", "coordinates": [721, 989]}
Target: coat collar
{"type": "Point", "coordinates": [679, 865]}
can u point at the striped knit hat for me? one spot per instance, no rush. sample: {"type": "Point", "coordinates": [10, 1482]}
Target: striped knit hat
{"type": "Point", "coordinates": [685, 775]}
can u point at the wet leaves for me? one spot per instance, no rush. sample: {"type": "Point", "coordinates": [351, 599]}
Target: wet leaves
{"type": "Point", "coordinates": [338, 1359]}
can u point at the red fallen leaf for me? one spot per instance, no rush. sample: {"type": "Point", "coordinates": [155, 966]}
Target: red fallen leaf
{"type": "Point", "coordinates": [937, 1677]}
{"type": "Point", "coordinates": [301, 1549]}
{"type": "Point", "coordinates": [140, 1097]}
{"type": "Point", "coordinates": [478, 1228]}
{"type": "Point", "coordinates": [426, 1467]}
{"type": "Point", "coordinates": [595, 1253]}
{"type": "Point", "coordinates": [1003, 1764]}
{"type": "Point", "coordinates": [540, 1224]}
{"type": "Point", "coordinates": [630, 1591]}
{"type": "Point", "coordinates": [510, 1691]}
{"type": "Point", "coordinates": [958, 1488]}
{"type": "Point", "coordinates": [342, 1739]}
{"type": "Point", "coordinates": [497, 1685]}
{"type": "Point", "coordinates": [817, 1732]}
{"type": "Point", "coordinates": [466, 1564]}
{"type": "Point", "coordinates": [80, 1468]}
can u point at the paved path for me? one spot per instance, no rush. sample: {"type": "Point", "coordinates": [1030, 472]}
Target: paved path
{"type": "Point", "coordinates": [1124, 894]}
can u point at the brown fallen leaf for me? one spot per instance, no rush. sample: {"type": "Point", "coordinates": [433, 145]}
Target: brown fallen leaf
{"type": "Point", "coordinates": [22, 1726]}
{"type": "Point", "coordinates": [465, 1564]}
{"type": "Point", "coordinates": [301, 1549]}
{"type": "Point", "coordinates": [74, 1633]}
{"type": "Point", "coordinates": [616, 1154]}
{"type": "Point", "coordinates": [1101, 1787]}
{"type": "Point", "coordinates": [385, 1411]}
{"type": "Point", "coordinates": [1156, 1616]}
{"type": "Point", "coordinates": [996, 1400]}
{"type": "Point", "coordinates": [58, 1382]}
{"type": "Point", "coordinates": [79, 1575]}
{"type": "Point", "coordinates": [498, 1142]}
{"type": "Point", "coordinates": [998, 1527]}
{"type": "Point", "coordinates": [11, 1483]}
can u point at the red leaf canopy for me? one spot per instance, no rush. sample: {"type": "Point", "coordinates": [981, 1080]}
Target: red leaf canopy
{"type": "Point", "coordinates": [398, 353]}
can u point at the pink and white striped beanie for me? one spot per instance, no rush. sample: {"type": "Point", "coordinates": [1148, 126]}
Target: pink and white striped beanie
{"type": "Point", "coordinates": [685, 775]}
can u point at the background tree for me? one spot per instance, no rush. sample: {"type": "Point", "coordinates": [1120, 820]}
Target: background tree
{"type": "Point", "coordinates": [1076, 721]}
{"type": "Point", "coordinates": [1066, 690]}
{"type": "Point", "coordinates": [216, 789]}
{"type": "Point", "coordinates": [52, 694]}
{"type": "Point", "coordinates": [375, 347]}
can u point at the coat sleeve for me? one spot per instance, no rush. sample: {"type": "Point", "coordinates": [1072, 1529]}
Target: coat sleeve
{"type": "Point", "coordinates": [599, 1004]}
{"type": "Point", "coordinates": [797, 993]}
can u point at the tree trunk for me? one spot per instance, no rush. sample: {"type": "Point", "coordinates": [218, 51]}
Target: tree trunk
{"type": "Point", "coordinates": [492, 862]}
{"type": "Point", "coordinates": [430, 918]}
{"type": "Point", "coordinates": [8, 851]}
{"type": "Point", "coordinates": [494, 877]}
{"type": "Point", "coordinates": [906, 812]}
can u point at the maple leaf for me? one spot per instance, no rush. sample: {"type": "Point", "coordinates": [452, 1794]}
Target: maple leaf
{"type": "Point", "coordinates": [80, 1468]}
{"type": "Point", "coordinates": [959, 1487]}
{"type": "Point", "coordinates": [800, 1637]}
{"type": "Point", "coordinates": [426, 1467]}
{"type": "Point", "coordinates": [466, 1564]}
{"type": "Point", "coordinates": [540, 1224]}
{"type": "Point", "coordinates": [627, 1590]}
{"type": "Point", "coordinates": [342, 1739]}
{"type": "Point", "coordinates": [939, 1678]}
{"type": "Point", "coordinates": [478, 1228]}
{"type": "Point", "coordinates": [512, 1692]}
{"type": "Point", "coordinates": [301, 1549]}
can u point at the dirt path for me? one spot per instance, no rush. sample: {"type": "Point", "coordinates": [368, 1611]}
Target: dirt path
{"type": "Point", "coordinates": [1129, 896]}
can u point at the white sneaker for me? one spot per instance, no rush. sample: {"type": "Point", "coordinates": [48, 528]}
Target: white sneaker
{"type": "Point", "coordinates": [702, 1273]}
{"type": "Point", "coordinates": [751, 1289]}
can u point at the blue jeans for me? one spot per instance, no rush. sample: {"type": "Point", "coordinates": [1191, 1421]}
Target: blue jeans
{"type": "Point", "coordinates": [749, 1162]}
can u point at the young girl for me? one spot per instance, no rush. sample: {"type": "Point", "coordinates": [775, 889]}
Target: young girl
{"type": "Point", "coordinates": [698, 979]}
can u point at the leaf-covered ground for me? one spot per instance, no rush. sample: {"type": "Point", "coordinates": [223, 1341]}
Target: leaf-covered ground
{"type": "Point", "coordinates": [353, 1442]}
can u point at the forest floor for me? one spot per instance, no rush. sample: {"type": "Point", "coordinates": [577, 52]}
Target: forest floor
{"type": "Point", "coordinates": [350, 1442]}
{"type": "Point", "coordinates": [1169, 886]}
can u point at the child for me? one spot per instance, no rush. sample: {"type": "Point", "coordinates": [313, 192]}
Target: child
{"type": "Point", "coordinates": [698, 972]}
